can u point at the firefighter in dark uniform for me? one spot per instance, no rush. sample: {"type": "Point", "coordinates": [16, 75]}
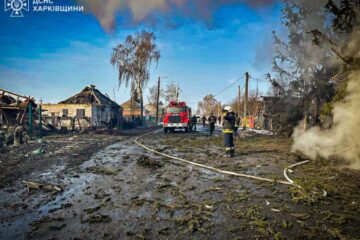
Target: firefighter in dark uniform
{"type": "Point", "coordinates": [203, 120]}
{"type": "Point", "coordinates": [228, 130]}
{"type": "Point", "coordinates": [237, 125]}
{"type": "Point", "coordinates": [193, 122]}
{"type": "Point", "coordinates": [212, 121]}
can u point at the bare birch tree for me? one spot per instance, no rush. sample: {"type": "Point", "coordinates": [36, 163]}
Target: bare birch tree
{"type": "Point", "coordinates": [172, 92]}
{"type": "Point", "coordinates": [133, 59]}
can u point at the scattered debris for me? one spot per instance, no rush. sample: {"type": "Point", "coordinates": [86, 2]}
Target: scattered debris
{"type": "Point", "coordinates": [57, 227]}
{"type": "Point", "coordinates": [46, 219]}
{"type": "Point", "coordinates": [97, 218]}
{"type": "Point", "coordinates": [38, 151]}
{"type": "Point", "coordinates": [35, 185]}
{"type": "Point", "coordinates": [102, 170]}
{"type": "Point", "coordinates": [145, 161]}
{"type": "Point", "coordinates": [92, 210]}
{"type": "Point", "coordinates": [275, 210]}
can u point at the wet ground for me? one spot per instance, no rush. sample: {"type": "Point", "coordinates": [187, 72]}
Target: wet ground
{"type": "Point", "coordinates": [121, 191]}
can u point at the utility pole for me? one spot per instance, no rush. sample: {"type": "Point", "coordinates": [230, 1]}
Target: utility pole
{"type": "Point", "coordinates": [157, 102]}
{"type": "Point", "coordinates": [239, 100]}
{"type": "Point", "coordinates": [40, 119]}
{"type": "Point", "coordinates": [246, 98]}
{"type": "Point", "coordinates": [218, 109]}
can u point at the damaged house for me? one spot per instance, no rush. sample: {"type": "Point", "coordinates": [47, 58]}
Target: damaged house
{"type": "Point", "coordinates": [87, 109]}
{"type": "Point", "coordinates": [17, 114]}
{"type": "Point", "coordinates": [279, 114]}
{"type": "Point", "coordinates": [14, 108]}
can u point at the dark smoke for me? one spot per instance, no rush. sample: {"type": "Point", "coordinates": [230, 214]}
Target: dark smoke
{"type": "Point", "coordinates": [141, 11]}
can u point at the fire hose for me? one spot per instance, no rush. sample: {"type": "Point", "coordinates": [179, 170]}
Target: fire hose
{"type": "Point", "coordinates": [213, 169]}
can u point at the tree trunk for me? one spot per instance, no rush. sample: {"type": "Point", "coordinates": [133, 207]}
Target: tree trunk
{"type": "Point", "coordinates": [142, 109]}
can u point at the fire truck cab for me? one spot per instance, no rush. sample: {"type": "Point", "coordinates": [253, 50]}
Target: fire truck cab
{"type": "Point", "coordinates": [177, 116]}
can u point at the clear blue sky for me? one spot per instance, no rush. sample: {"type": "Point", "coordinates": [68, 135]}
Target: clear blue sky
{"type": "Point", "coordinates": [54, 55]}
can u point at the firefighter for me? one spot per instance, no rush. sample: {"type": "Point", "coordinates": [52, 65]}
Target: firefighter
{"type": "Point", "coordinates": [212, 121]}
{"type": "Point", "coordinates": [193, 122]}
{"type": "Point", "coordinates": [228, 130]}
{"type": "Point", "coordinates": [237, 124]}
{"type": "Point", "coordinates": [203, 120]}
{"type": "Point", "coordinates": [219, 119]}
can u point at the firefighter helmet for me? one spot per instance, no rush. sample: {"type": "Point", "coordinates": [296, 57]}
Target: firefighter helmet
{"type": "Point", "coordinates": [228, 108]}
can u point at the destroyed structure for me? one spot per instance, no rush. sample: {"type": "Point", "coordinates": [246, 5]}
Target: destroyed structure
{"type": "Point", "coordinates": [87, 109]}
{"type": "Point", "coordinates": [13, 108]}
{"type": "Point", "coordinates": [279, 114]}
{"type": "Point", "coordinates": [17, 115]}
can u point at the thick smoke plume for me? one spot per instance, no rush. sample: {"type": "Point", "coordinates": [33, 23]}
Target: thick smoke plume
{"type": "Point", "coordinates": [343, 139]}
{"type": "Point", "coordinates": [141, 11]}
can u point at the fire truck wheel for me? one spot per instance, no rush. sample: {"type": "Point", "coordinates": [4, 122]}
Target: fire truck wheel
{"type": "Point", "coordinates": [166, 130]}
{"type": "Point", "coordinates": [186, 129]}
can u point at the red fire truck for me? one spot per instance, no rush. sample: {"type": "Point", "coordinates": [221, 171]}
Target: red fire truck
{"type": "Point", "coordinates": [177, 116]}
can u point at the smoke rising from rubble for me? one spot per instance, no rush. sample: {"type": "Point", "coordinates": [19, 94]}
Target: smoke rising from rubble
{"type": "Point", "coordinates": [141, 10]}
{"type": "Point", "coordinates": [343, 139]}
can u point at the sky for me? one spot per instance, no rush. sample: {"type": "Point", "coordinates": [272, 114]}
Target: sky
{"type": "Point", "coordinates": [204, 47]}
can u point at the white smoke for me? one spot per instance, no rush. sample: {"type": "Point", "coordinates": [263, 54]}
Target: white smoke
{"type": "Point", "coordinates": [342, 140]}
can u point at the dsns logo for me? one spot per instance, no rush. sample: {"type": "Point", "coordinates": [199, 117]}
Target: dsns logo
{"type": "Point", "coordinates": [16, 7]}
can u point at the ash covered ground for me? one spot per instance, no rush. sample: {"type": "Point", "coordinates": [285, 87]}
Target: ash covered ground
{"type": "Point", "coordinates": [114, 189]}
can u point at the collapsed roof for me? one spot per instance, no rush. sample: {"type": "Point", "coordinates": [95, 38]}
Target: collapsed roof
{"type": "Point", "coordinates": [90, 95]}
{"type": "Point", "coordinates": [10, 100]}
{"type": "Point", "coordinates": [13, 107]}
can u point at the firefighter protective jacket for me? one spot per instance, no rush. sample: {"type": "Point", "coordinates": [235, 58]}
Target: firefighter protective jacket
{"type": "Point", "coordinates": [228, 122]}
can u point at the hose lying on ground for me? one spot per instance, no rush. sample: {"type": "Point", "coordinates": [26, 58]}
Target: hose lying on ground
{"type": "Point", "coordinates": [291, 166]}
{"type": "Point", "coordinates": [288, 182]}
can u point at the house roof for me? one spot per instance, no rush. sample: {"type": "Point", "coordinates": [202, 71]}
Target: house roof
{"type": "Point", "coordinates": [130, 104]}
{"type": "Point", "coordinates": [90, 95]}
{"type": "Point", "coordinates": [151, 108]}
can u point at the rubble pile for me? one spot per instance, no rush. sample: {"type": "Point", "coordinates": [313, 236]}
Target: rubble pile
{"type": "Point", "coordinates": [12, 135]}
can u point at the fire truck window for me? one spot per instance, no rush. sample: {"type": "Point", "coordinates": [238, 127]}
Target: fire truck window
{"type": "Point", "coordinates": [175, 109]}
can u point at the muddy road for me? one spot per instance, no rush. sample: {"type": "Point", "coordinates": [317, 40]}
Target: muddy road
{"type": "Point", "coordinates": [122, 191]}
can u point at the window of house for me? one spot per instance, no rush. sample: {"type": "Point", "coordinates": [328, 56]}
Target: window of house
{"type": "Point", "coordinates": [80, 113]}
{"type": "Point", "coordinates": [65, 112]}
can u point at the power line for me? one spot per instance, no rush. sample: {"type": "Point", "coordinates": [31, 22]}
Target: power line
{"type": "Point", "coordinates": [258, 79]}
{"type": "Point", "coordinates": [237, 80]}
